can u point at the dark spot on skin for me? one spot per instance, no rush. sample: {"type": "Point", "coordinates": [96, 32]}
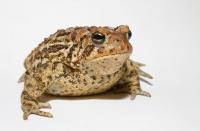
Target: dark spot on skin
{"type": "Point", "coordinates": [65, 70]}
{"type": "Point", "coordinates": [84, 82]}
{"type": "Point", "coordinates": [38, 54]}
{"type": "Point", "coordinates": [116, 28]}
{"type": "Point", "coordinates": [66, 40]}
{"type": "Point", "coordinates": [93, 77]}
{"type": "Point", "coordinates": [71, 51]}
{"type": "Point", "coordinates": [29, 85]}
{"type": "Point", "coordinates": [54, 48]}
{"type": "Point", "coordinates": [73, 36]}
{"type": "Point", "coordinates": [83, 37]}
{"type": "Point", "coordinates": [40, 65]}
{"type": "Point", "coordinates": [125, 69]}
{"type": "Point", "coordinates": [131, 63]}
{"type": "Point", "coordinates": [26, 96]}
{"type": "Point", "coordinates": [27, 73]}
{"type": "Point", "coordinates": [138, 87]}
{"type": "Point", "coordinates": [77, 76]}
{"type": "Point", "coordinates": [80, 89]}
{"type": "Point", "coordinates": [55, 41]}
{"type": "Point", "coordinates": [45, 55]}
{"type": "Point", "coordinates": [116, 73]}
{"type": "Point", "coordinates": [89, 29]}
{"type": "Point", "coordinates": [61, 33]}
{"type": "Point", "coordinates": [59, 76]}
{"type": "Point", "coordinates": [93, 82]}
{"type": "Point", "coordinates": [100, 50]}
{"type": "Point", "coordinates": [53, 90]}
{"type": "Point", "coordinates": [108, 76]}
{"type": "Point", "coordinates": [91, 70]}
{"type": "Point", "coordinates": [73, 82]}
{"type": "Point", "coordinates": [46, 40]}
{"type": "Point", "coordinates": [116, 59]}
{"type": "Point", "coordinates": [88, 50]}
{"type": "Point", "coordinates": [102, 79]}
{"type": "Point", "coordinates": [77, 28]}
{"type": "Point", "coordinates": [138, 78]}
{"type": "Point", "coordinates": [37, 78]}
{"type": "Point", "coordinates": [132, 73]}
{"type": "Point", "coordinates": [55, 65]}
{"type": "Point", "coordinates": [111, 50]}
{"type": "Point", "coordinates": [60, 54]}
{"type": "Point", "coordinates": [49, 77]}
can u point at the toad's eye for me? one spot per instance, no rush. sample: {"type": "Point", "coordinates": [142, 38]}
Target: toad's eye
{"type": "Point", "coordinates": [129, 34]}
{"type": "Point", "coordinates": [98, 38]}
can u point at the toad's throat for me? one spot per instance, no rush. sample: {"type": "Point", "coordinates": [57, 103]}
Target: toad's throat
{"type": "Point", "coordinates": [107, 64]}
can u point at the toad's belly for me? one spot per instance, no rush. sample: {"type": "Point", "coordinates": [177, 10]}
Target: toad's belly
{"type": "Point", "coordinates": [78, 85]}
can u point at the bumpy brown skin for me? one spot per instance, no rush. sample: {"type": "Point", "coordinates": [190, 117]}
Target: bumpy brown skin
{"type": "Point", "coordinates": [71, 63]}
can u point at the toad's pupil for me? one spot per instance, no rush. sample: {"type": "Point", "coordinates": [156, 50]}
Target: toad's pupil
{"type": "Point", "coordinates": [98, 38]}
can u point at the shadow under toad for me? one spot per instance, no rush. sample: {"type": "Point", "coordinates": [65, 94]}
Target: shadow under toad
{"type": "Point", "coordinates": [109, 95]}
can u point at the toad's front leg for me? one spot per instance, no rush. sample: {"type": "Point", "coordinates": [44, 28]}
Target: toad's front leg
{"type": "Point", "coordinates": [131, 81]}
{"type": "Point", "coordinates": [29, 98]}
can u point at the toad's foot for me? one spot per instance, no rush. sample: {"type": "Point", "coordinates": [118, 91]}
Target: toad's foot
{"type": "Point", "coordinates": [44, 105]}
{"type": "Point", "coordinates": [132, 91]}
{"type": "Point", "coordinates": [31, 107]}
{"type": "Point", "coordinates": [135, 92]}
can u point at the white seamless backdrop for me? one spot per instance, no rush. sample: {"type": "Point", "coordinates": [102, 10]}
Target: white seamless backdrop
{"type": "Point", "coordinates": [166, 36]}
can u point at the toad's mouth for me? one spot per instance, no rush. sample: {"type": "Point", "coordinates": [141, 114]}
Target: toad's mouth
{"type": "Point", "coordinates": [119, 56]}
{"type": "Point", "coordinates": [107, 64]}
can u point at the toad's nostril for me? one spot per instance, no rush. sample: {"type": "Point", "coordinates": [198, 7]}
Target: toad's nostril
{"type": "Point", "coordinates": [116, 40]}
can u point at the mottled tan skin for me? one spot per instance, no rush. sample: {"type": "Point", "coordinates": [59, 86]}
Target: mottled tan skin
{"type": "Point", "coordinates": [70, 63]}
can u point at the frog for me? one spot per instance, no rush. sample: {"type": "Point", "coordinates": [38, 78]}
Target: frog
{"type": "Point", "coordinates": [80, 61]}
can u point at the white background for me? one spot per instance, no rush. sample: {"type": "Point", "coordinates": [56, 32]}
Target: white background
{"type": "Point", "coordinates": [166, 36]}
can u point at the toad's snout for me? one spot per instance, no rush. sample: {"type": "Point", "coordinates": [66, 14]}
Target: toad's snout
{"type": "Point", "coordinates": [120, 43]}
